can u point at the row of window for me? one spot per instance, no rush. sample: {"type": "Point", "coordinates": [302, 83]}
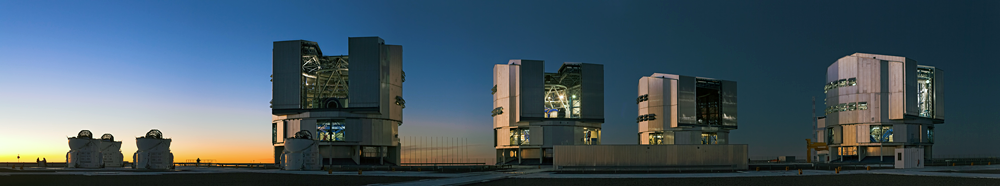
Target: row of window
{"type": "Point", "coordinates": [497, 111]}
{"type": "Point", "coordinates": [847, 107]}
{"type": "Point", "coordinates": [642, 98]}
{"type": "Point", "coordinates": [880, 134]}
{"type": "Point", "coordinates": [647, 117]}
{"type": "Point", "coordinates": [840, 83]}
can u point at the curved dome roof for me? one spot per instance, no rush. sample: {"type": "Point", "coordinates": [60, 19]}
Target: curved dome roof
{"type": "Point", "coordinates": [84, 134]}
{"type": "Point", "coordinates": [155, 134]}
{"type": "Point", "coordinates": [108, 137]}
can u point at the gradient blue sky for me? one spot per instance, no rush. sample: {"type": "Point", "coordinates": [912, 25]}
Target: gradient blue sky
{"type": "Point", "coordinates": [198, 70]}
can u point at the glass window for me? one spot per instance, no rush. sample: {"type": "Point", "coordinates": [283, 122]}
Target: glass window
{"type": "Point", "coordinates": [930, 134]}
{"type": "Point", "coordinates": [274, 133]}
{"type": "Point", "coordinates": [709, 138]}
{"type": "Point", "coordinates": [881, 133]}
{"type": "Point", "coordinates": [862, 105]}
{"type": "Point", "coordinates": [331, 130]}
{"type": "Point", "coordinates": [519, 136]}
{"type": "Point", "coordinates": [591, 136]}
{"type": "Point", "coordinates": [655, 138]}
{"type": "Point", "coordinates": [852, 106]}
{"type": "Point", "coordinates": [852, 81]}
{"type": "Point", "coordinates": [842, 83]}
{"type": "Point", "coordinates": [829, 135]}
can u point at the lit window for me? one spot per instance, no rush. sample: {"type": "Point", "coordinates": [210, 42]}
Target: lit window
{"type": "Point", "coordinates": [519, 136]}
{"type": "Point", "coordinates": [862, 105]}
{"type": "Point", "coordinates": [655, 138]}
{"type": "Point", "coordinates": [881, 133]}
{"type": "Point", "coordinates": [709, 138]}
{"type": "Point", "coordinates": [591, 136]}
{"type": "Point", "coordinates": [331, 130]}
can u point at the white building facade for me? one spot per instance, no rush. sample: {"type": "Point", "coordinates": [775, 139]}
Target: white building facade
{"type": "Point", "coordinates": [676, 109]}
{"type": "Point", "coordinates": [877, 105]}
{"type": "Point", "coordinates": [534, 110]}
{"type": "Point", "coordinates": [352, 104]}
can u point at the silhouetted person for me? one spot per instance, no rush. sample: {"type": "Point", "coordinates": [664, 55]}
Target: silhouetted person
{"type": "Point", "coordinates": [197, 162]}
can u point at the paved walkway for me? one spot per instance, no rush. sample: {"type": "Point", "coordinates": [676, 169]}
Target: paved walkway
{"type": "Point", "coordinates": [988, 171]}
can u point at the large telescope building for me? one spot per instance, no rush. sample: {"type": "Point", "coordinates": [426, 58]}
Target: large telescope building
{"type": "Point", "coordinates": [676, 109]}
{"type": "Point", "coordinates": [882, 108]}
{"type": "Point", "coordinates": [535, 110]}
{"type": "Point", "coordinates": [352, 104]}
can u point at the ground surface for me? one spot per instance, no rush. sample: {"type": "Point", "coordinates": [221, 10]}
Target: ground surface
{"type": "Point", "coordinates": [201, 179]}
{"type": "Point", "coordinates": [832, 180]}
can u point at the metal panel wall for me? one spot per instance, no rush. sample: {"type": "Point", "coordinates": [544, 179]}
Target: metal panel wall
{"type": "Point", "coordinates": [287, 75]}
{"type": "Point", "coordinates": [395, 82]}
{"type": "Point", "coordinates": [729, 103]}
{"type": "Point", "coordinates": [532, 90]}
{"type": "Point", "coordinates": [592, 87]}
{"type": "Point", "coordinates": [686, 156]}
{"type": "Point", "coordinates": [910, 87]}
{"type": "Point", "coordinates": [502, 97]}
{"type": "Point", "coordinates": [897, 93]}
{"type": "Point", "coordinates": [686, 98]}
{"type": "Point", "coordinates": [366, 73]}
{"type": "Point", "coordinates": [939, 93]}
{"type": "Point", "coordinates": [644, 86]}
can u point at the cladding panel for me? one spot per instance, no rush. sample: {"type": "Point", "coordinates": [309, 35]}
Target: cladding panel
{"type": "Point", "coordinates": [939, 93]}
{"type": "Point", "coordinates": [366, 71]}
{"type": "Point", "coordinates": [532, 89]}
{"type": "Point", "coordinates": [897, 96]}
{"type": "Point", "coordinates": [592, 86]}
{"type": "Point", "coordinates": [286, 61]}
{"type": "Point", "coordinates": [729, 106]}
{"type": "Point", "coordinates": [686, 105]}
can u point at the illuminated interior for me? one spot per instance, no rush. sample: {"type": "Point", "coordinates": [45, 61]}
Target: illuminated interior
{"type": "Point", "coordinates": [591, 136]}
{"type": "Point", "coordinates": [330, 130]}
{"type": "Point", "coordinates": [562, 92]}
{"type": "Point", "coordinates": [881, 133]}
{"type": "Point", "coordinates": [519, 136]}
{"type": "Point", "coordinates": [709, 102]}
{"type": "Point", "coordinates": [324, 78]}
{"type": "Point", "coordinates": [925, 91]}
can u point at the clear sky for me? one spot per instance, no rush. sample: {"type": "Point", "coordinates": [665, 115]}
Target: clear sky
{"type": "Point", "coordinates": [198, 70]}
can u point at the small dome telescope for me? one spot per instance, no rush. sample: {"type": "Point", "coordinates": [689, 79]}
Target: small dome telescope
{"type": "Point", "coordinates": [107, 137]}
{"type": "Point", "coordinates": [84, 134]}
{"type": "Point", "coordinates": [154, 134]}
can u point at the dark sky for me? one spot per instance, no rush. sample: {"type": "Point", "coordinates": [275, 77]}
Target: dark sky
{"type": "Point", "coordinates": [211, 60]}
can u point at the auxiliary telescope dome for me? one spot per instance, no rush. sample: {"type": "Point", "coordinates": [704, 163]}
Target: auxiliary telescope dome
{"type": "Point", "coordinates": [108, 137]}
{"type": "Point", "coordinates": [84, 134]}
{"type": "Point", "coordinates": [155, 134]}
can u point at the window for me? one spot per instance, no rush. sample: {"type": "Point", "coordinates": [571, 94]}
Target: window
{"type": "Point", "coordinates": [519, 136]}
{"type": "Point", "coordinates": [656, 138]}
{"type": "Point", "coordinates": [331, 130]}
{"type": "Point", "coordinates": [930, 134]}
{"type": "Point", "coordinates": [709, 138]}
{"type": "Point", "coordinates": [591, 136]}
{"type": "Point", "coordinates": [840, 83]}
{"type": "Point", "coordinates": [843, 107]}
{"type": "Point", "coordinates": [829, 135]}
{"type": "Point", "coordinates": [274, 133]}
{"type": "Point", "coordinates": [881, 133]}
{"type": "Point", "coordinates": [899, 156]}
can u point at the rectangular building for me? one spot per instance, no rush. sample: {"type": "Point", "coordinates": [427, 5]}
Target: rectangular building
{"type": "Point", "coordinates": [534, 110]}
{"type": "Point", "coordinates": [354, 116]}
